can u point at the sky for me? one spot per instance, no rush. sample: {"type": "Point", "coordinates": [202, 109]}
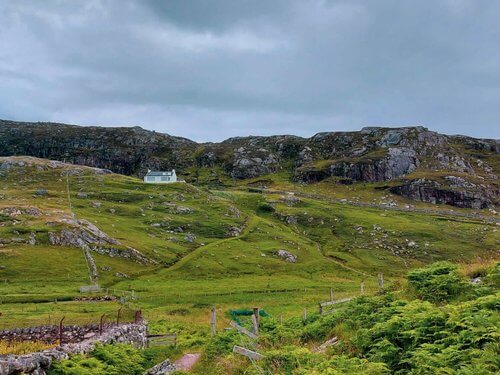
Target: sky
{"type": "Point", "coordinates": [212, 69]}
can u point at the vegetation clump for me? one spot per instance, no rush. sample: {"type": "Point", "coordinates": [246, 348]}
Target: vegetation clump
{"type": "Point", "coordinates": [453, 333]}
{"type": "Point", "coordinates": [118, 359]}
{"type": "Point", "coordinates": [22, 347]}
{"type": "Point", "coordinates": [439, 282]}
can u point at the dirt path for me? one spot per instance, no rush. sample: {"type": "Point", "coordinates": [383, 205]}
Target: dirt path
{"type": "Point", "coordinates": [187, 361]}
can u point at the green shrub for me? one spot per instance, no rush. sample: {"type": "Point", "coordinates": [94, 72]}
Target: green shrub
{"type": "Point", "coordinates": [222, 344]}
{"type": "Point", "coordinates": [342, 365]}
{"type": "Point", "coordinates": [118, 359]}
{"type": "Point", "coordinates": [493, 277]}
{"type": "Point", "coordinates": [439, 282]}
{"type": "Point", "coordinates": [288, 359]}
{"type": "Point", "coordinates": [125, 359]}
{"type": "Point", "coordinates": [79, 365]}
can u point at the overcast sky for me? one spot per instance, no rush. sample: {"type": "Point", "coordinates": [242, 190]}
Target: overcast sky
{"type": "Point", "coordinates": [211, 69]}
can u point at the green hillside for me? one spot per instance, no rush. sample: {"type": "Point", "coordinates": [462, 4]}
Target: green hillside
{"type": "Point", "coordinates": [182, 248]}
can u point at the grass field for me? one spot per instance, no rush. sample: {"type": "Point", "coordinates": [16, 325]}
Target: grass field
{"type": "Point", "coordinates": [212, 246]}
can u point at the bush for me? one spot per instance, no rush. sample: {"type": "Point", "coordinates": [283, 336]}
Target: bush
{"type": "Point", "coordinates": [118, 359]}
{"type": "Point", "coordinates": [222, 344]}
{"type": "Point", "coordinates": [439, 282]}
{"type": "Point", "coordinates": [288, 359]}
{"type": "Point", "coordinates": [79, 365]}
{"type": "Point", "coordinates": [124, 358]}
{"type": "Point", "coordinates": [341, 365]}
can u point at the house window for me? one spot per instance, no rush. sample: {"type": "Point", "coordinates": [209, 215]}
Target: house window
{"type": "Point", "coordinates": [150, 178]}
{"type": "Point", "coordinates": [165, 178]}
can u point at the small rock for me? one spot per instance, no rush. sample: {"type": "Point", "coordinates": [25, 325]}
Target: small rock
{"type": "Point", "coordinates": [190, 237]}
{"type": "Point", "coordinates": [166, 367]}
{"type": "Point", "coordinates": [286, 256]}
{"type": "Point", "coordinates": [32, 239]}
{"type": "Point", "coordinates": [233, 232]}
{"type": "Point", "coordinates": [476, 280]}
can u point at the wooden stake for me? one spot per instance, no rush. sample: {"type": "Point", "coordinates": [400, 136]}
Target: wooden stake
{"type": "Point", "coordinates": [256, 320]}
{"type": "Point", "coordinates": [118, 315]}
{"type": "Point", "coordinates": [213, 321]}
{"type": "Point", "coordinates": [243, 330]}
{"type": "Point", "coordinates": [247, 353]}
{"type": "Point", "coordinates": [380, 281]}
{"type": "Point", "coordinates": [331, 294]}
{"type": "Point", "coordinates": [61, 328]}
{"type": "Point", "coordinates": [101, 324]}
{"type": "Point", "coordinates": [362, 287]}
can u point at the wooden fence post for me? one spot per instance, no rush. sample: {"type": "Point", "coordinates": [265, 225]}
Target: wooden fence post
{"type": "Point", "coordinates": [137, 316]}
{"type": "Point", "coordinates": [61, 328]}
{"type": "Point", "coordinates": [118, 315]}
{"type": "Point", "coordinates": [213, 321]}
{"type": "Point", "coordinates": [380, 281]}
{"type": "Point", "coordinates": [243, 330]}
{"type": "Point", "coordinates": [320, 309]}
{"type": "Point", "coordinates": [362, 287]}
{"type": "Point", "coordinates": [256, 320]}
{"type": "Point", "coordinates": [101, 324]}
{"type": "Point", "coordinates": [331, 294]}
{"type": "Point", "coordinates": [247, 353]}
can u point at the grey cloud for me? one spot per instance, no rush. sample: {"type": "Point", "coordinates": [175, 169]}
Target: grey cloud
{"type": "Point", "coordinates": [214, 69]}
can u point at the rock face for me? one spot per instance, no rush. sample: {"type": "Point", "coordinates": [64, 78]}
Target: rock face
{"type": "Point", "coordinates": [433, 192]}
{"type": "Point", "coordinates": [122, 150]}
{"type": "Point", "coordinates": [85, 235]}
{"type": "Point", "coordinates": [374, 154]}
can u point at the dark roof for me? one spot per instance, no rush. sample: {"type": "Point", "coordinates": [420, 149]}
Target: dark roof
{"type": "Point", "coordinates": [167, 173]}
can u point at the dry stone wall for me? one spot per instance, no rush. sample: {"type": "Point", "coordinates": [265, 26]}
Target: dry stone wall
{"type": "Point", "coordinates": [38, 363]}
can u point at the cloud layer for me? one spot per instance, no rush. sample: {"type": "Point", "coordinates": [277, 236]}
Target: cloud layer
{"type": "Point", "coordinates": [209, 70]}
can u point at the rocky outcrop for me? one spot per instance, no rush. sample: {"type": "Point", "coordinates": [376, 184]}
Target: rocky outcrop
{"type": "Point", "coordinates": [433, 192]}
{"type": "Point", "coordinates": [374, 154]}
{"type": "Point", "coordinates": [398, 162]}
{"type": "Point", "coordinates": [38, 363]}
{"type": "Point", "coordinates": [286, 256]}
{"type": "Point", "coordinates": [122, 150]}
{"type": "Point", "coordinates": [8, 163]}
{"type": "Point", "coordinates": [165, 367]}
{"type": "Point", "coordinates": [85, 235]}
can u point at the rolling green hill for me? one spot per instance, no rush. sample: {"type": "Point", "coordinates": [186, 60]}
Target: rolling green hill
{"type": "Point", "coordinates": [181, 248]}
{"type": "Point", "coordinates": [201, 241]}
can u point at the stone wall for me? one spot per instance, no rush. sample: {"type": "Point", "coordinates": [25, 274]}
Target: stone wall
{"type": "Point", "coordinates": [50, 334]}
{"type": "Point", "coordinates": [38, 363]}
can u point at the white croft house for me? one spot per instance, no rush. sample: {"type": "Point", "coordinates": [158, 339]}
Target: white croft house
{"type": "Point", "coordinates": [160, 177]}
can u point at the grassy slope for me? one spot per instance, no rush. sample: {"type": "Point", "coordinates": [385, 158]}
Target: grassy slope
{"type": "Point", "coordinates": [337, 245]}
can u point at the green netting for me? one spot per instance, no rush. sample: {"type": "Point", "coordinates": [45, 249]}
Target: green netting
{"type": "Point", "coordinates": [235, 314]}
